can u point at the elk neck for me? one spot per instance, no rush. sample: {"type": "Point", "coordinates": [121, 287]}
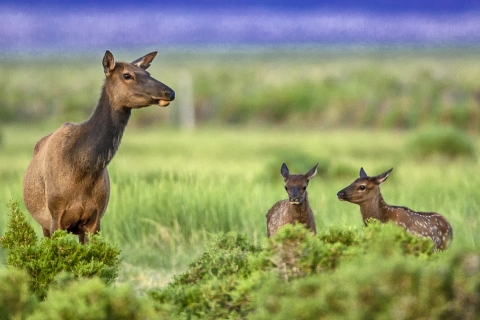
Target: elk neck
{"type": "Point", "coordinates": [102, 133]}
{"type": "Point", "coordinates": [376, 208]}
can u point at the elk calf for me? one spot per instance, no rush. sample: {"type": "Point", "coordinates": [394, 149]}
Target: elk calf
{"type": "Point", "coordinates": [296, 207]}
{"type": "Point", "coordinates": [365, 191]}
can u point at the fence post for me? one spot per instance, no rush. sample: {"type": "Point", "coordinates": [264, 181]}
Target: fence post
{"type": "Point", "coordinates": [185, 100]}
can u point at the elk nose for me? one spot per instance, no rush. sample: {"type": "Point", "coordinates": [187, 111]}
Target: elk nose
{"type": "Point", "coordinates": [169, 94]}
{"type": "Point", "coordinates": [340, 194]}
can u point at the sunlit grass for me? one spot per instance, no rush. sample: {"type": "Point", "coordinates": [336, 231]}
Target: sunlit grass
{"type": "Point", "coordinates": [171, 190]}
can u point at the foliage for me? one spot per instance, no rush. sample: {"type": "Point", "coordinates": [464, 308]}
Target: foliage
{"type": "Point", "coordinates": [372, 287]}
{"type": "Point", "coordinates": [69, 299]}
{"type": "Point", "coordinates": [15, 297]}
{"type": "Point", "coordinates": [45, 259]}
{"type": "Point", "coordinates": [222, 282]}
{"type": "Point", "coordinates": [217, 285]}
{"type": "Point", "coordinates": [443, 141]}
{"type": "Point", "coordinates": [92, 299]}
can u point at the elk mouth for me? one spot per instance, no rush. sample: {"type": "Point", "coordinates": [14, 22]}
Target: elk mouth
{"type": "Point", "coordinates": [162, 101]}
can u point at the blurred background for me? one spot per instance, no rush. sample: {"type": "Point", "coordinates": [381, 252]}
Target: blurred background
{"type": "Point", "coordinates": [372, 63]}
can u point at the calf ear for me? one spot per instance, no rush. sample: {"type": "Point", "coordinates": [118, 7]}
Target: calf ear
{"type": "Point", "coordinates": [284, 172]}
{"type": "Point", "coordinates": [144, 62]}
{"type": "Point", "coordinates": [363, 174]}
{"type": "Point", "coordinates": [310, 174]}
{"type": "Point", "coordinates": [108, 63]}
{"type": "Point", "coordinates": [382, 177]}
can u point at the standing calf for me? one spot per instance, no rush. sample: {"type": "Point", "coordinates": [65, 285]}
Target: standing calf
{"type": "Point", "coordinates": [296, 207]}
{"type": "Point", "coordinates": [365, 191]}
{"type": "Point", "coordinates": [66, 186]}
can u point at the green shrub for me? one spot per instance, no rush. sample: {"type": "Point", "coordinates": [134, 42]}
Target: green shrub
{"type": "Point", "coordinates": [45, 259]}
{"type": "Point", "coordinates": [15, 297]}
{"type": "Point", "coordinates": [227, 255]}
{"type": "Point", "coordinates": [223, 281]}
{"type": "Point", "coordinates": [371, 287]}
{"type": "Point", "coordinates": [443, 141]}
{"type": "Point", "coordinates": [217, 285]}
{"type": "Point", "coordinates": [92, 299]}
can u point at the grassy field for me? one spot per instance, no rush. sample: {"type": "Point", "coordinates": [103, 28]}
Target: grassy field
{"type": "Point", "coordinates": [171, 190]}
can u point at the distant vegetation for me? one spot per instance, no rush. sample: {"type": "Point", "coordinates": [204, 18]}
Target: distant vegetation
{"type": "Point", "coordinates": [355, 88]}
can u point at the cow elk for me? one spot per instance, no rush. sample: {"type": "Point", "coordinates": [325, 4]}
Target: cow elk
{"type": "Point", "coordinates": [66, 186]}
{"type": "Point", "coordinates": [365, 191]}
{"type": "Point", "coordinates": [296, 208]}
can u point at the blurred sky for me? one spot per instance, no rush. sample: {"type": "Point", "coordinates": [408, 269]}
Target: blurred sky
{"type": "Point", "coordinates": [54, 25]}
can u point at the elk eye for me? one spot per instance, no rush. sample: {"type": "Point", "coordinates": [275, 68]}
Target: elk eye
{"type": "Point", "coordinates": [127, 76]}
{"type": "Point", "coordinates": [362, 187]}
{"type": "Point", "coordinates": [304, 188]}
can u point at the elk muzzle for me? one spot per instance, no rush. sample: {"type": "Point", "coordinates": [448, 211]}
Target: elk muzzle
{"type": "Point", "coordinates": [342, 195]}
{"type": "Point", "coordinates": [294, 197]}
{"type": "Point", "coordinates": [168, 95]}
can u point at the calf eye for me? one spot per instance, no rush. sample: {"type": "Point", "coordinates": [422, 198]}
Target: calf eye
{"type": "Point", "coordinates": [127, 76]}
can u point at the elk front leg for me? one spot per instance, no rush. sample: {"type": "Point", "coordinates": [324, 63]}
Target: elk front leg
{"type": "Point", "coordinates": [46, 232]}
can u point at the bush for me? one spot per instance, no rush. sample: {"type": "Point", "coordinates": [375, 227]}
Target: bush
{"type": "Point", "coordinates": [15, 297]}
{"type": "Point", "coordinates": [224, 280]}
{"type": "Point", "coordinates": [443, 141]}
{"type": "Point", "coordinates": [92, 299]}
{"type": "Point", "coordinates": [371, 287]}
{"type": "Point", "coordinates": [62, 252]}
{"type": "Point", "coordinates": [217, 285]}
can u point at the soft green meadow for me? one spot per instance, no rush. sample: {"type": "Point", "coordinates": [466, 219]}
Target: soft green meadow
{"type": "Point", "coordinates": [171, 190]}
{"type": "Point", "coordinates": [174, 190]}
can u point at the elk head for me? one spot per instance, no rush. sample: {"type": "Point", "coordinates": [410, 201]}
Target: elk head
{"type": "Point", "coordinates": [296, 184]}
{"type": "Point", "coordinates": [129, 85]}
{"type": "Point", "coordinates": [364, 188]}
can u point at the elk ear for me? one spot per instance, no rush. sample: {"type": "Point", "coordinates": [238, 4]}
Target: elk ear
{"type": "Point", "coordinates": [144, 62]}
{"type": "Point", "coordinates": [382, 177]}
{"type": "Point", "coordinates": [310, 174]}
{"type": "Point", "coordinates": [108, 63]}
{"type": "Point", "coordinates": [284, 172]}
{"type": "Point", "coordinates": [363, 174]}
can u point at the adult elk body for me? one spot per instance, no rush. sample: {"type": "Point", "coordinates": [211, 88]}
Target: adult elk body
{"type": "Point", "coordinates": [365, 191]}
{"type": "Point", "coordinates": [296, 208]}
{"type": "Point", "coordinates": [66, 186]}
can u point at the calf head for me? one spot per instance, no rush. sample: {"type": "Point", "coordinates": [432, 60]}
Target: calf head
{"type": "Point", "coordinates": [296, 184]}
{"type": "Point", "coordinates": [364, 188]}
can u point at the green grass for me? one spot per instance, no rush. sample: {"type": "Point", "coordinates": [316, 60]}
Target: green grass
{"type": "Point", "coordinates": [171, 190]}
{"type": "Point", "coordinates": [322, 87]}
